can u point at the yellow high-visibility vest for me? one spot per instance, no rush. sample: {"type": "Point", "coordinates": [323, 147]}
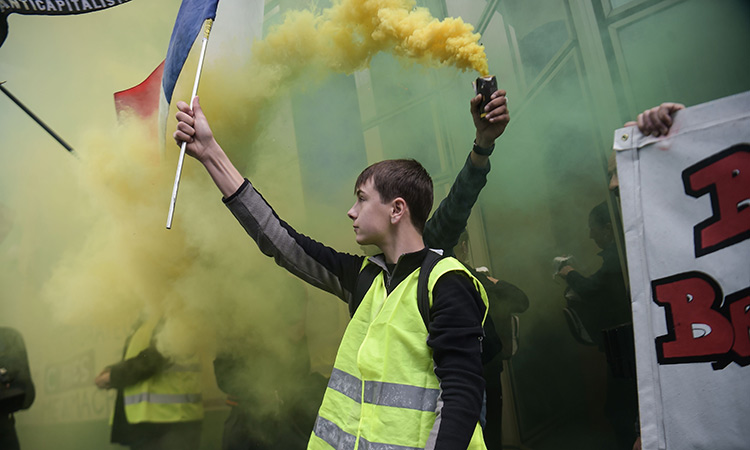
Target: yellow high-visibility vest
{"type": "Point", "coordinates": [383, 392]}
{"type": "Point", "coordinates": [172, 395]}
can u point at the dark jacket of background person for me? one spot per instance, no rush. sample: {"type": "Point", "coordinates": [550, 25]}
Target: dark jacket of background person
{"type": "Point", "coordinates": [16, 388]}
{"type": "Point", "coordinates": [604, 301]}
{"type": "Point", "coordinates": [604, 308]}
{"type": "Point", "coordinates": [506, 300]}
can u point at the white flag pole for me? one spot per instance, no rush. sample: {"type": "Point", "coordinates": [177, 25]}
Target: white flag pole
{"type": "Point", "coordinates": [181, 159]}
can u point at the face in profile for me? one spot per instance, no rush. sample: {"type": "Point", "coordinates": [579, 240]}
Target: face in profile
{"type": "Point", "coordinates": [370, 216]}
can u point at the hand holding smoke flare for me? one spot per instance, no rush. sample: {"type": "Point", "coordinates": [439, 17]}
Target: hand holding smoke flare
{"type": "Point", "coordinates": [489, 110]}
{"type": "Point", "coordinates": [485, 86]}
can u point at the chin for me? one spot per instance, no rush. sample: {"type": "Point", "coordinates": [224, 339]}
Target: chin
{"type": "Point", "coordinates": [362, 240]}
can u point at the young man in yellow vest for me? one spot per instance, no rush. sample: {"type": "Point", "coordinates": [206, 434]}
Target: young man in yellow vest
{"type": "Point", "coordinates": [395, 384]}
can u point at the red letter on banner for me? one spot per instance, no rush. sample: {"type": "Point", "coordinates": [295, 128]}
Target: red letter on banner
{"type": "Point", "coordinates": [726, 176]}
{"type": "Point", "coordinates": [691, 301]}
{"type": "Point", "coordinates": [739, 311]}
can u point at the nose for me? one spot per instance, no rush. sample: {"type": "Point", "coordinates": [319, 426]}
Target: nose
{"type": "Point", "coordinates": [351, 213]}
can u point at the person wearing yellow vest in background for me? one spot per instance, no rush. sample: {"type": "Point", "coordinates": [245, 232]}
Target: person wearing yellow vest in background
{"type": "Point", "coordinates": [401, 380]}
{"type": "Point", "coordinates": [159, 404]}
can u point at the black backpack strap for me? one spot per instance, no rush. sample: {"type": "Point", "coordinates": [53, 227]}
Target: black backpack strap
{"type": "Point", "coordinates": [364, 281]}
{"type": "Point", "coordinates": [423, 296]}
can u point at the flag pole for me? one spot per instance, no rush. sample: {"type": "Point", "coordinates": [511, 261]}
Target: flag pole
{"type": "Point", "coordinates": [181, 159]}
{"type": "Point", "coordinates": [37, 119]}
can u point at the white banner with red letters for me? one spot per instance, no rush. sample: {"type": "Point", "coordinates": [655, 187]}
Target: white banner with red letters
{"type": "Point", "coordinates": [685, 202]}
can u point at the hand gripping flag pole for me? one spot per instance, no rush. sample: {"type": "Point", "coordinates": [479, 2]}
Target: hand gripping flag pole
{"type": "Point", "coordinates": [181, 158]}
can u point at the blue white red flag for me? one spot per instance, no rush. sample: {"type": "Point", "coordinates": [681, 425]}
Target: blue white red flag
{"type": "Point", "coordinates": [190, 19]}
{"type": "Point", "coordinates": [155, 93]}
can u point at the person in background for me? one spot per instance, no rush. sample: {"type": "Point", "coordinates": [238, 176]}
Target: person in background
{"type": "Point", "coordinates": [159, 405]}
{"type": "Point", "coordinates": [622, 398]}
{"type": "Point", "coordinates": [16, 387]}
{"type": "Point", "coordinates": [602, 302]}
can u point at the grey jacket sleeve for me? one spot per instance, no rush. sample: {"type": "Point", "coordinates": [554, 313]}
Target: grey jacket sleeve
{"type": "Point", "coordinates": [313, 262]}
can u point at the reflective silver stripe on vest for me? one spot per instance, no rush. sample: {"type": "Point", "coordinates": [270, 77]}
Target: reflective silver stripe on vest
{"type": "Point", "coordinates": [384, 394]}
{"type": "Point", "coordinates": [162, 398]}
{"type": "Point", "coordinates": [333, 435]}
{"type": "Point", "coordinates": [401, 396]}
{"type": "Point", "coordinates": [366, 445]}
{"type": "Point", "coordinates": [341, 440]}
{"type": "Point", "coordinates": [345, 383]}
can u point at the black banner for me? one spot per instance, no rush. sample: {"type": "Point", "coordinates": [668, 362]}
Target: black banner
{"type": "Point", "coordinates": [50, 8]}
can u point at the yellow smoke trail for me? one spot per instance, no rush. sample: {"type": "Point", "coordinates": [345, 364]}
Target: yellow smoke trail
{"type": "Point", "coordinates": [345, 37]}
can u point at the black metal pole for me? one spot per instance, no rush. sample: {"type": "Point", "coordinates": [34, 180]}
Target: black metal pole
{"type": "Point", "coordinates": [37, 119]}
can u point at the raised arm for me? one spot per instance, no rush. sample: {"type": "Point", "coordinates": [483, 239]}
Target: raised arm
{"type": "Point", "coordinates": [313, 262]}
{"type": "Point", "coordinates": [449, 219]}
{"type": "Point", "coordinates": [126, 373]}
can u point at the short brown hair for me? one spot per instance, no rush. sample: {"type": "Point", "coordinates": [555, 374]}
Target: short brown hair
{"type": "Point", "coordinates": [405, 178]}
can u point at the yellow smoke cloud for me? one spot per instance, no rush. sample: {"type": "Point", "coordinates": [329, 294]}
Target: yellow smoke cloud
{"type": "Point", "coordinates": [129, 265]}
{"type": "Point", "coordinates": [345, 37]}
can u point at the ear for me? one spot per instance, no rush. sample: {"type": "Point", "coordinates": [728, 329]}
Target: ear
{"type": "Point", "coordinates": [398, 210]}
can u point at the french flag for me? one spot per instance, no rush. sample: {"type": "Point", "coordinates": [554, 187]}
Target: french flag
{"type": "Point", "coordinates": [155, 93]}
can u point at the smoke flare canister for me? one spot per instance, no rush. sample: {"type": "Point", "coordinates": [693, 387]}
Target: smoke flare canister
{"type": "Point", "coordinates": [485, 86]}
